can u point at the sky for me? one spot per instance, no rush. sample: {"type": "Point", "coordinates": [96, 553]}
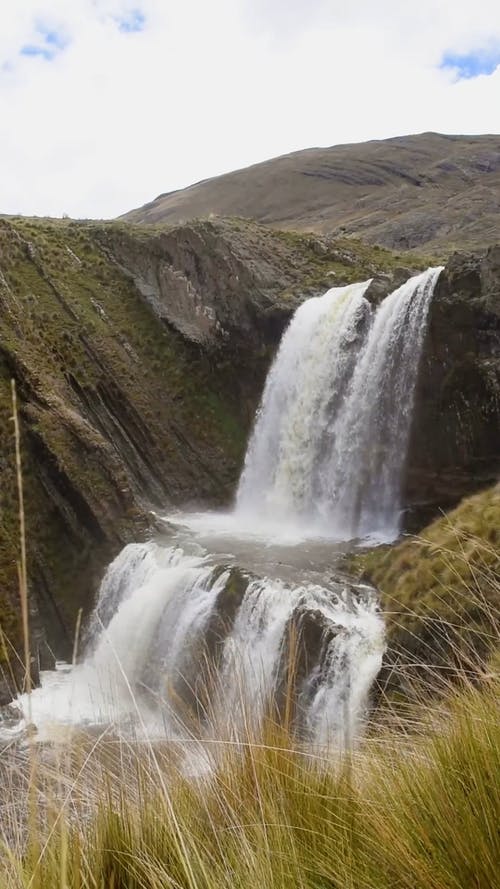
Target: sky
{"type": "Point", "coordinates": [104, 104]}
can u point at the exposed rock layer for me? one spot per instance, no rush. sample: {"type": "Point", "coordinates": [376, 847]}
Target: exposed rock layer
{"type": "Point", "coordinates": [455, 443]}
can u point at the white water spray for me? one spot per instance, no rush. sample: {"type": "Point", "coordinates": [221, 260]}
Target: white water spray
{"type": "Point", "coordinates": [140, 666]}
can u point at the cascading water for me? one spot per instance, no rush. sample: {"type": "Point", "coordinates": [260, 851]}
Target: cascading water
{"type": "Point", "coordinates": [330, 440]}
{"type": "Point", "coordinates": [142, 668]}
{"type": "Point", "coordinates": [306, 385]}
{"type": "Point", "coordinates": [189, 638]}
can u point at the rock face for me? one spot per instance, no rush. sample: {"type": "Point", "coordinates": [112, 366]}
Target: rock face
{"type": "Point", "coordinates": [455, 442]}
{"type": "Point", "coordinates": [429, 191]}
{"type": "Point", "coordinates": [233, 284]}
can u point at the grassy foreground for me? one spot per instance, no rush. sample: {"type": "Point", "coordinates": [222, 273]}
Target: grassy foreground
{"type": "Point", "coordinates": [418, 811]}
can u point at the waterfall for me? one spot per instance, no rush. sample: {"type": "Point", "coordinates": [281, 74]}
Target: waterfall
{"type": "Point", "coordinates": [331, 436]}
{"type": "Point", "coordinates": [146, 667]}
{"type": "Point", "coordinates": [305, 385]}
{"type": "Point", "coordinates": [188, 640]}
{"type": "Point", "coordinates": [345, 658]}
{"type": "Point", "coordinates": [153, 602]}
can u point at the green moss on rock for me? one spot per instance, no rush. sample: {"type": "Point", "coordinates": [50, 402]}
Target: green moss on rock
{"type": "Point", "coordinates": [117, 413]}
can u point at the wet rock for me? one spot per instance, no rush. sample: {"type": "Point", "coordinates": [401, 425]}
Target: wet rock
{"type": "Point", "coordinates": [225, 610]}
{"type": "Point", "coordinates": [306, 640]}
{"type": "Point", "coordinates": [382, 285]}
{"type": "Point", "coordinates": [455, 438]}
{"type": "Point", "coordinates": [191, 689]}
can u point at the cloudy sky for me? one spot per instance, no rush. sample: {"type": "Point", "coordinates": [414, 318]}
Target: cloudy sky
{"type": "Point", "coordinates": [106, 103]}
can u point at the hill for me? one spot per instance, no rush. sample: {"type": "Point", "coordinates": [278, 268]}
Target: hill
{"type": "Point", "coordinates": [430, 190]}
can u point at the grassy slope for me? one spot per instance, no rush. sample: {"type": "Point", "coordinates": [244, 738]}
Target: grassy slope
{"type": "Point", "coordinates": [441, 593]}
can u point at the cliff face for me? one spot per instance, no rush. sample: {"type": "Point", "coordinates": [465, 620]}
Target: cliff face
{"type": "Point", "coordinates": [118, 413]}
{"type": "Point", "coordinates": [455, 443]}
{"type": "Point", "coordinates": [139, 358]}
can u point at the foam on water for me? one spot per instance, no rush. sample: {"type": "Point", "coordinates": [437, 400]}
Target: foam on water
{"type": "Point", "coordinates": [133, 664]}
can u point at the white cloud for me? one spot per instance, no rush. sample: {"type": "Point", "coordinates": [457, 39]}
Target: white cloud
{"type": "Point", "coordinates": [148, 95]}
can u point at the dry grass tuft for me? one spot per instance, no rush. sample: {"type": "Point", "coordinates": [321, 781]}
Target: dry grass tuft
{"type": "Point", "coordinates": [409, 812]}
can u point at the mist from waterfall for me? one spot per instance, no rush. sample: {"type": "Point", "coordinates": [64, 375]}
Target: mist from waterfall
{"type": "Point", "coordinates": [331, 436]}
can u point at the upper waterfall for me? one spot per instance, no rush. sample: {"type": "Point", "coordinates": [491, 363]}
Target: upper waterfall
{"type": "Point", "coordinates": [331, 435]}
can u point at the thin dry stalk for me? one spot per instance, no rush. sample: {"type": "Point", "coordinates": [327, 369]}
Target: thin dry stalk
{"type": "Point", "coordinates": [22, 566]}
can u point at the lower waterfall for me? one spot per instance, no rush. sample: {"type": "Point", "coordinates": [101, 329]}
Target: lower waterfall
{"type": "Point", "coordinates": [206, 631]}
{"type": "Point", "coordinates": [153, 653]}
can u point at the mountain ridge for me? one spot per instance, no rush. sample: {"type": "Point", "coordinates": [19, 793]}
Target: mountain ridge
{"type": "Point", "coordinates": [430, 190]}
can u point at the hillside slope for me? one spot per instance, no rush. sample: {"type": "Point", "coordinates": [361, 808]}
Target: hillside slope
{"type": "Point", "coordinates": [440, 594]}
{"type": "Point", "coordinates": [432, 190]}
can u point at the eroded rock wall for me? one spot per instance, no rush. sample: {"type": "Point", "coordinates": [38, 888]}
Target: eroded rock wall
{"type": "Point", "coordinates": [455, 442]}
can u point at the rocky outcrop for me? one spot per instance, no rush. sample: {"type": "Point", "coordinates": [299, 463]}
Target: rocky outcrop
{"type": "Point", "coordinates": [455, 441]}
{"type": "Point", "coordinates": [232, 285]}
